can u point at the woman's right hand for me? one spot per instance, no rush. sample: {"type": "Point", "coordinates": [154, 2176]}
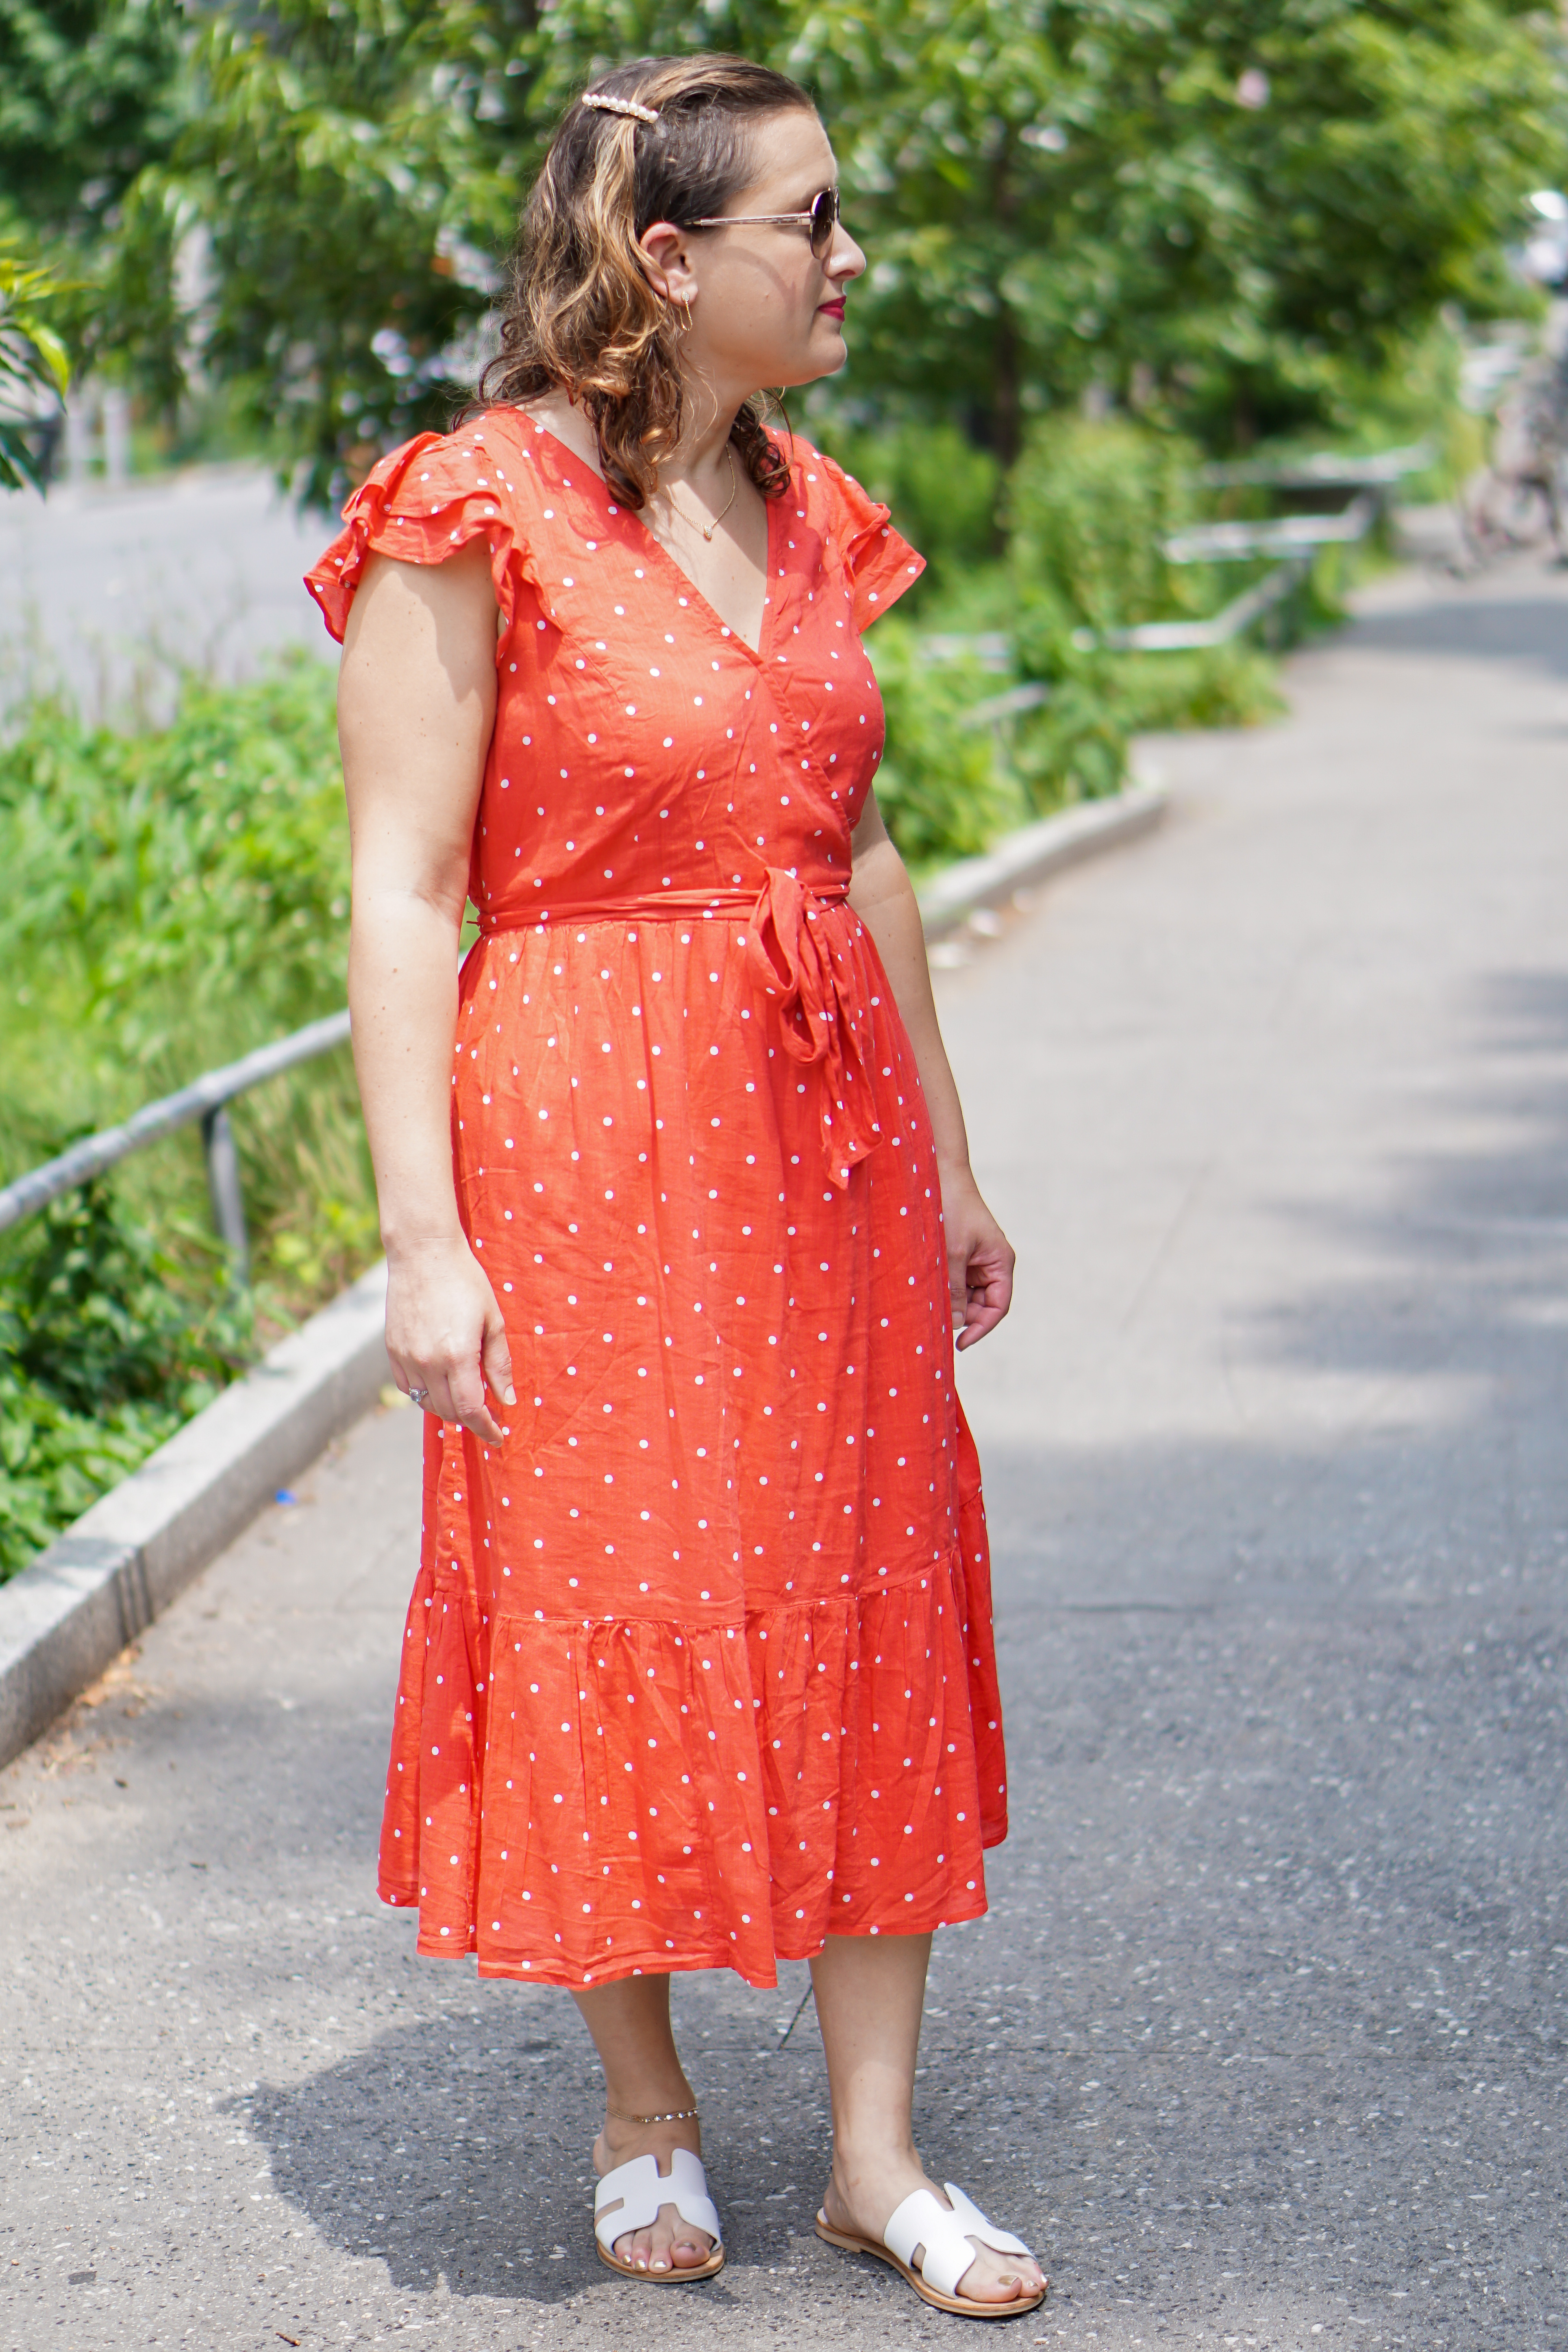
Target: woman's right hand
{"type": "Point", "coordinates": [445, 1335]}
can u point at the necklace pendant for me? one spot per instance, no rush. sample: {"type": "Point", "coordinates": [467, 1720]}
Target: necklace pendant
{"type": "Point", "coordinates": [708, 529]}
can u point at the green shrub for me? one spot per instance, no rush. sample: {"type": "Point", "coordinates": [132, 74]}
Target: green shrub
{"type": "Point", "coordinates": [1073, 749]}
{"type": "Point", "coordinates": [1090, 504]}
{"type": "Point", "coordinates": [943, 791]}
{"type": "Point", "coordinates": [1233, 684]}
{"type": "Point", "coordinates": [193, 875]}
{"type": "Point", "coordinates": [108, 1340]}
{"type": "Point", "coordinates": [174, 898]}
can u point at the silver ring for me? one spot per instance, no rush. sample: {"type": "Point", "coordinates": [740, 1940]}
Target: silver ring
{"type": "Point", "coordinates": [418, 1396]}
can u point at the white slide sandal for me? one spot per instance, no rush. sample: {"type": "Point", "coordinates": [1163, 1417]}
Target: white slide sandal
{"type": "Point", "coordinates": [636, 2191]}
{"type": "Point", "coordinates": [920, 2220]}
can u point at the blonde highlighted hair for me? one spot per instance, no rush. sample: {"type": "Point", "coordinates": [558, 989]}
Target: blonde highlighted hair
{"type": "Point", "coordinates": [581, 317]}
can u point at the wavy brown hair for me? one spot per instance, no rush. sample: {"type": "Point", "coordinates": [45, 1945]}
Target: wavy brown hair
{"type": "Point", "coordinates": [581, 317]}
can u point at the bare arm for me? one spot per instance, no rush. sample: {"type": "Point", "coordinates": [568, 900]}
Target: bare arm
{"type": "Point", "coordinates": [415, 706]}
{"type": "Point", "coordinates": [979, 1255]}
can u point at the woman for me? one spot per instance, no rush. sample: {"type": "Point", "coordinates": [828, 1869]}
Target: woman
{"type": "Point", "coordinates": [673, 1176]}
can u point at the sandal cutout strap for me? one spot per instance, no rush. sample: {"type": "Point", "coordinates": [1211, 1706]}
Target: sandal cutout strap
{"type": "Point", "coordinates": [920, 2220]}
{"type": "Point", "coordinates": [637, 2190]}
{"type": "Point", "coordinates": [946, 2237]}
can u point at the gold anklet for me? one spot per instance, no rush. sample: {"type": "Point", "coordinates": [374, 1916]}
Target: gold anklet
{"type": "Point", "coordinates": [675, 2116]}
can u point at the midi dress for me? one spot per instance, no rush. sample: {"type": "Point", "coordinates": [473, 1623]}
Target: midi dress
{"type": "Point", "coordinates": [698, 1667]}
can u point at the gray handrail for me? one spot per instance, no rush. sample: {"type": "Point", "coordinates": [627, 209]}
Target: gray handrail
{"type": "Point", "coordinates": [1190, 636]}
{"type": "Point", "coordinates": [1326, 469]}
{"type": "Point", "coordinates": [1230, 542]}
{"type": "Point", "coordinates": [1291, 539]}
{"type": "Point", "coordinates": [205, 1099]}
{"type": "Point", "coordinates": [1238, 615]}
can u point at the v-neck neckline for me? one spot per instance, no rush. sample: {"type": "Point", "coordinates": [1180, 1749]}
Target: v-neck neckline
{"type": "Point", "coordinates": [726, 628]}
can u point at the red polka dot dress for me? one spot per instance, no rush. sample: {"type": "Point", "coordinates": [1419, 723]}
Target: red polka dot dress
{"type": "Point", "coordinates": [699, 1665]}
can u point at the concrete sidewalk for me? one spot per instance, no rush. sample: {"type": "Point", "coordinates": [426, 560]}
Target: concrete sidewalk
{"type": "Point", "coordinates": [1262, 2041]}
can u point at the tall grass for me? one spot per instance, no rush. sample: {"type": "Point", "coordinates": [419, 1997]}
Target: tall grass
{"type": "Point", "coordinates": [172, 898]}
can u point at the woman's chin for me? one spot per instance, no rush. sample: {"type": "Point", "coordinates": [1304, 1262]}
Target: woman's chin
{"type": "Point", "coordinates": [825, 354]}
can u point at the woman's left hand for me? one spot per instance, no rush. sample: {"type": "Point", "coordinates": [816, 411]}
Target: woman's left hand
{"type": "Point", "coordinates": [980, 1260]}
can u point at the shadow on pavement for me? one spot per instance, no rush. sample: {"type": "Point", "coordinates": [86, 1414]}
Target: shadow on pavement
{"type": "Point", "coordinates": [1287, 1724]}
{"type": "Point", "coordinates": [457, 2148]}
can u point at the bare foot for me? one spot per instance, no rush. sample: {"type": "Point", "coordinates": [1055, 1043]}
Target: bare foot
{"type": "Point", "coordinates": [670, 2244]}
{"type": "Point", "coordinates": [863, 2194]}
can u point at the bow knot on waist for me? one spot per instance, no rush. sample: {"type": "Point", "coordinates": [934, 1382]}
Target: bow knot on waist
{"type": "Point", "coordinates": [789, 953]}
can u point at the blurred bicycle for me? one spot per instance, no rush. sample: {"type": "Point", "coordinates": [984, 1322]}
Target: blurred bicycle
{"type": "Point", "coordinates": [1516, 500]}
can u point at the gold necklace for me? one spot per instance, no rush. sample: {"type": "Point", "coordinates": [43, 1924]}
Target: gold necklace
{"type": "Point", "coordinates": [708, 529]}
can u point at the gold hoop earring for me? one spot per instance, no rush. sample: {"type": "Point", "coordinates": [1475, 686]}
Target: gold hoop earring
{"type": "Point", "coordinates": [686, 305]}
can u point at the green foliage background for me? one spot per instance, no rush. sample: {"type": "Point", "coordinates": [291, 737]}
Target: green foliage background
{"type": "Point", "coordinates": [172, 899]}
{"type": "Point", "coordinates": [1230, 216]}
{"type": "Point", "coordinates": [34, 366]}
{"type": "Point", "coordinates": [106, 1344]}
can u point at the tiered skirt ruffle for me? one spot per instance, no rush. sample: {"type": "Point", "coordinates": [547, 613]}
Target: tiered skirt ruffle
{"type": "Point", "coordinates": [578, 1800]}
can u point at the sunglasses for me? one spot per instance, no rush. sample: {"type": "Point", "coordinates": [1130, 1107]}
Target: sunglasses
{"type": "Point", "coordinates": [821, 220]}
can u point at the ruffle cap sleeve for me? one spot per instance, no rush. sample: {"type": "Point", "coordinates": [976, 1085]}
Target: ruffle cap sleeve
{"type": "Point", "coordinates": [877, 562]}
{"type": "Point", "coordinates": [419, 505]}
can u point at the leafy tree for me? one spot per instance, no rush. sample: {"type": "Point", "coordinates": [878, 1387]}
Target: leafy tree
{"type": "Point", "coordinates": [1207, 212]}
{"type": "Point", "coordinates": [1226, 215]}
{"type": "Point", "coordinates": [89, 95]}
{"type": "Point", "coordinates": [341, 166]}
{"type": "Point", "coordinates": [34, 370]}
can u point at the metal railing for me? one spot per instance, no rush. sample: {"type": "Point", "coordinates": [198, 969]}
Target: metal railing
{"type": "Point", "coordinates": [206, 1099]}
{"type": "Point", "coordinates": [1280, 535]}
{"type": "Point", "coordinates": [1329, 470]}
{"type": "Point", "coordinates": [1292, 539]}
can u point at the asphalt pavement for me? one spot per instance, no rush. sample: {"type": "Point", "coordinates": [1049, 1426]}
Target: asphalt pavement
{"type": "Point", "coordinates": [109, 595]}
{"type": "Point", "coordinates": [1261, 2043]}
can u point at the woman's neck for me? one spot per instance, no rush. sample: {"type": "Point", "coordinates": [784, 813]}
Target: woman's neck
{"type": "Point", "coordinates": [701, 456]}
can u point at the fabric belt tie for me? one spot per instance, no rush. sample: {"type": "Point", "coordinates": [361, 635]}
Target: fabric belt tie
{"type": "Point", "coordinates": [790, 958]}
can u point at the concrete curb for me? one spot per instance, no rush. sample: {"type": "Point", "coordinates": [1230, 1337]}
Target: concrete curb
{"type": "Point", "coordinates": [1039, 850]}
{"type": "Point", "coordinates": [73, 1610]}
{"type": "Point", "coordinates": [67, 1616]}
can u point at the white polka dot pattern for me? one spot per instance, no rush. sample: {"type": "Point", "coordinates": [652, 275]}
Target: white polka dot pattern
{"type": "Point", "coordinates": [699, 1666]}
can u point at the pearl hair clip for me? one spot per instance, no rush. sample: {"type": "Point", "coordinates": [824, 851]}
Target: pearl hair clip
{"type": "Point", "coordinates": [628, 106]}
